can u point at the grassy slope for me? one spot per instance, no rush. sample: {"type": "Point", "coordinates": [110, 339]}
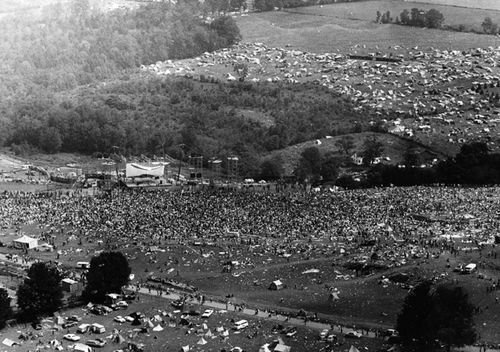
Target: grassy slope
{"type": "Point", "coordinates": [394, 148]}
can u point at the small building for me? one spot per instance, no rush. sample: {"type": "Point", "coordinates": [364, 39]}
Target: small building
{"type": "Point", "coordinates": [69, 285]}
{"type": "Point", "coordinates": [25, 242]}
{"type": "Point", "coordinates": [276, 285]}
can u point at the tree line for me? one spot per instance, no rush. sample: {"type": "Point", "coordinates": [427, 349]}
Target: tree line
{"type": "Point", "coordinates": [433, 19]}
{"type": "Point", "coordinates": [473, 165]}
{"type": "Point", "coordinates": [415, 17]}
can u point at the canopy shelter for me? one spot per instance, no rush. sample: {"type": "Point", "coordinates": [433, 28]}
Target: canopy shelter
{"type": "Point", "coordinates": [25, 242]}
{"type": "Point", "coordinates": [138, 170]}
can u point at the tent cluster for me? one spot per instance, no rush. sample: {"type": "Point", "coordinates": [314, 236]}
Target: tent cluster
{"type": "Point", "coordinates": [433, 87]}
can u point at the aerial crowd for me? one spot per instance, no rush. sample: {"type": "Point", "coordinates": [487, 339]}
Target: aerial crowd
{"type": "Point", "coordinates": [417, 221]}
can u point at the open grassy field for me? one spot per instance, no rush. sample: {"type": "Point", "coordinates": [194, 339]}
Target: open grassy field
{"type": "Point", "coordinates": [341, 27]}
{"type": "Point", "coordinates": [477, 4]}
{"type": "Point", "coordinates": [366, 11]}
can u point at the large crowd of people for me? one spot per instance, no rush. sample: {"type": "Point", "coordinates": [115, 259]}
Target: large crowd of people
{"type": "Point", "coordinates": [405, 222]}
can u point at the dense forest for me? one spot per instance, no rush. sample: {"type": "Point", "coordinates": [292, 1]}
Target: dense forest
{"type": "Point", "coordinates": [152, 115]}
{"type": "Point", "coordinates": [74, 45]}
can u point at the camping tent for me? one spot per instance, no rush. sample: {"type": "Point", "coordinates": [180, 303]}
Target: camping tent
{"type": "Point", "coordinates": [276, 285]}
{"type": "Point", "coordinates": [282, 348]}
{"type": "Point", "coordinates": [202, 341]}
{"type": "Point", "coordinates": [25, 242]}
{"type": "Point", "coordinates": [137, 170]}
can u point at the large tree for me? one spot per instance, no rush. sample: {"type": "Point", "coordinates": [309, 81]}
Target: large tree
{"type": "Point", "coordinates": [271, 169]}
{"type": "Point", "coordinates": [41, 292]}
{"type": "Point", "coordinates": [108, 273]}
{"type": "Point", "coordinates": [372, 148]}
{"type": "Point", "coordinates": [434, 18]}
{"type": "Point", "coordinates": [5, 308]}
{"type": "Point", "coordinates": [444, 314]}
{"type": "Point", "coordinates": [309, 166]}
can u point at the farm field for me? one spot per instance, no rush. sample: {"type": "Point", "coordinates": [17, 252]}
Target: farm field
{"type": "Point", "coordinates": [366, 11]}
{"type": "Point", "coordinates": [332, 28]}
{"type": "Point", "coordinates": [477, 4]}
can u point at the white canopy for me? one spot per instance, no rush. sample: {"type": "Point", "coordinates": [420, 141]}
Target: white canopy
{"type": "Point", "coordinates": [137, 170]}
{"type": "Point", "coordinates": [25, 242]}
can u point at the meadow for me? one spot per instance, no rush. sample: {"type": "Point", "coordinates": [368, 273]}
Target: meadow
{"type": "Point", "coordinates": [350, 27]}
{"type": "Point", "coordinates": [477, 4]}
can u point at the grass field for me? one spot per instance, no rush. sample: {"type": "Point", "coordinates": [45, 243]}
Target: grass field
{"type": "Point", "coordinates": [365, 11]}
{"type": "Point", "coordinates": [477, 4]}
{"type": "Point", "coordinates": [340, 27]}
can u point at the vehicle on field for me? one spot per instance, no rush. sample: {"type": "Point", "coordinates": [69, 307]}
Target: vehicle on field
{"type": "Point", "coordinates": [119, 319]}
{"type": "Point", "coordinates": [83, 328]}
{"type": "Point", "coordinates": [96, 343]}
{"type": "Point", "coordinates": [68, 324]}
{"type": "Point", "coordinates": [71, 337]}
{"type": "Point", "coordinates": [240, 325]}
{"type": "Point", "coordinates": [290, 331]}
{"type": "Point", "coordinates": [353, 334]}
{"type": "Point", "coordinates": [323, 334]}
{"type": "Point", "coordinates": [98, 328]}
{"type": "Point", "coordinates": [207, 313]}
{"type": "Point", "coordinates": [331, 338]}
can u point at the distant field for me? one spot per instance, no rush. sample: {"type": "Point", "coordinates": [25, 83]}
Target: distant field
{"type": "Point", "coordinates": [339, 27]}
{"type": "Point", "coordinates": [366, 11]}
{"type": "Point", "coordinates": [477, 4]}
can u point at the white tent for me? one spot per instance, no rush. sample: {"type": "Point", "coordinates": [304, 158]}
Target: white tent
{"type": "Point", "coordinates": [353, 349]}
{"type": "Point", "coordinates": [138, 170]}
{"type": "Point", "coordinates": [265, 348]}
{"type": "Point", "coordinates": [25, 242]}
{"type": "Point", "coordinates": [282, 348]}
{"type": "Point", "coordinates": [158, 328]}
{"type": "Point", "coordinates": [202, 341]}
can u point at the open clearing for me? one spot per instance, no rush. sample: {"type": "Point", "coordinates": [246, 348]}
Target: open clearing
{"type": "Point", "coordinates": [332, 29]}
{"type": "Point", "coordinates": [476, 4]}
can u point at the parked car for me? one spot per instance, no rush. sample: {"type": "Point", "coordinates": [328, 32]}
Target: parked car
{"type": "Point", "coordinates": [178, 304]}
{"type": "Point", "coordinates": [96, 343]}
{"type": "Point", "coordinates": [71, 337]}
{"type": "Point", "coordinates": [119, 319]}
{"type": "Point", "coordinates": [207, 313]}
{"type": "Point", "coordinates": [323, 334]}
{"type": "Point", "coordinates": [291, 331]}
{"type": "Point", "coordinates": [69, 324]}
{"type": "Point", "coordinates": [353, 334]}
{"type": "Point", "coordinates": [331, 338]}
